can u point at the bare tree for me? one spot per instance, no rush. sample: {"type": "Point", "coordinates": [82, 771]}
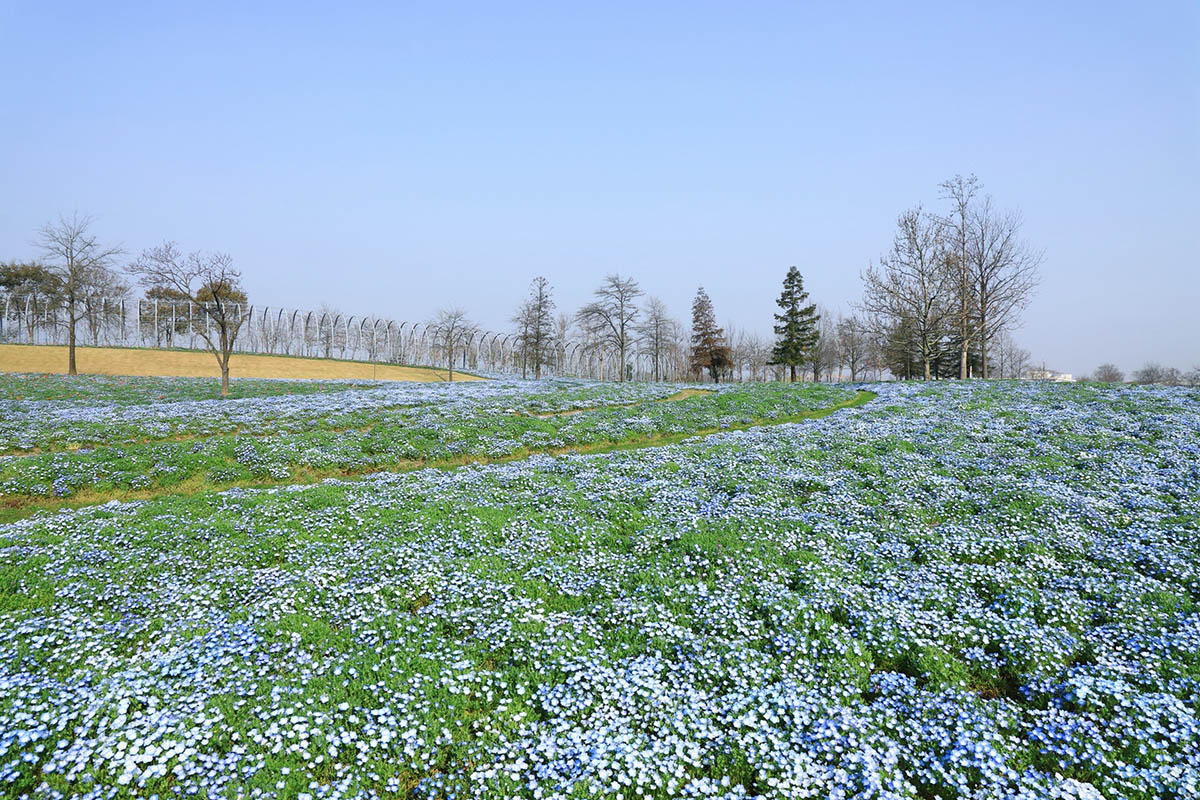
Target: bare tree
{"type": "Point", "coordinates": [958, 233]}
{"type": "Point", "coordinates": [655, 333]}
{"type": "Point", "coordinates": [833, 347]}
{"type": "Point", "coordinates": [852, 336]}
{"type": "Point", "coordinates": [757, 353]}
{"type": "Point", "coordinates": [329, 333]}
{"type": "Point", "coordinates": [911, 285]}
{"type": "Point", "coordinates": [1012, 359]}
{"type": "Point", "coordinates": [1004, 273]}
{"type": "Point", "coordinates": [874, 354]}
{"type": "Point", "coordinates": [102, 306]}
{"type": "Point", "coordinates": [1109, 373]}
{"type": "Point", "coordinates": [822, 357]}
{"type": "Point", "coordinates": [79, 264]}
{"type": "Point", "coordinates": [1151, 372]}
{"type": "Point", "coordinates": [562, 336]}
{"type": "Point", "coordinates": [611, 316]}
{"type": "Point", "coordinates": [452, 330]}
{"type": "Point", "coordinates": [535, 326]}
{"type": "Point", "coordinates": [739, 352]}
{"type": "Point", "coordinates": [994, 271]}
{"type": "Point", "coordinates": [677, 351]}
{"type": "Point", "coordinates": [523, 320]}
{"type": "Point", "coordinates": [210, 282]}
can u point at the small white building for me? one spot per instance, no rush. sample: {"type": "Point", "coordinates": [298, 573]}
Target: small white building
{"type": "Point", "coordinates": [1043, 374]}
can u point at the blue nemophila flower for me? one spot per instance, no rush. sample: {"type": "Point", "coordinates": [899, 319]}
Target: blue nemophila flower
{"type": "Point", "coordinates": [984, 591]}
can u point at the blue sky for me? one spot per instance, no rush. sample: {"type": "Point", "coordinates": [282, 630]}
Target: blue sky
{"type": "Point", "coordinates": [395, 158]}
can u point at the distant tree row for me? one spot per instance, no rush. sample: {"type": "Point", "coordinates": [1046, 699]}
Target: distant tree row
{"type": "Point", "coordinates": [1150, 373]}
{"type": "Point", "coordinates": [942, 302]}
{"type": "Point", "coordinates": [614, 323]}
{"type": "Point", "coordinates": [807, 344]}
{"type": "Point", "coordinates": [80, 276]}
{"type": "Point", "coordinates": [810, 343]}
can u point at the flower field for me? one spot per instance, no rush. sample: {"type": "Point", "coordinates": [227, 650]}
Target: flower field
{"type": "Point", "coordinates": [59, 449]}
{"type": "Point", "coordinates": [976, 590]}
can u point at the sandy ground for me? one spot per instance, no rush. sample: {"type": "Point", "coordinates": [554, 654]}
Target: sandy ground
{"type": "Point", "coordinates": [131, 361]}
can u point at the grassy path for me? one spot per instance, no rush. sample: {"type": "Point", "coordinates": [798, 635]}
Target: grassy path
{"type": "Point", "coordinates": [194, 437]}
{"type": "Point", "coordinates": [681, 395]}
{"type": "Point", "coordinates": [14, 508]}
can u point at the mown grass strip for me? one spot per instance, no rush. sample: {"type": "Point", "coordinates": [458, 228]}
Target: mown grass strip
{"type": "Point", "coordinates": [15, 508]}
{"type": "Point", "coordinates": [363, 428]}
{"type": "Point", "coordinates": [681, 395]}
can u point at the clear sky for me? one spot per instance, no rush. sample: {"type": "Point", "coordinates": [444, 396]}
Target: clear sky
{"type": "Point", "coordinates": [398, 157]}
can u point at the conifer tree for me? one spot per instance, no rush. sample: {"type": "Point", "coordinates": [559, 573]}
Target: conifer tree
{"type": "Point", "coordinates": [796, 325]}
{"type": "Point", "coordinates": [709, 348]}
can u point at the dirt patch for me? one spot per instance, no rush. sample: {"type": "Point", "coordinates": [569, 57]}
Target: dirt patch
{"type": "Point", "coordinates": [194, 364]}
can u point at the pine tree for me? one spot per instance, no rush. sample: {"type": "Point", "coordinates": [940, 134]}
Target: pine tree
{"type": "Point", "coordinates": [796, 326]}
{"type": "Point", "coordinates": [709, 349]}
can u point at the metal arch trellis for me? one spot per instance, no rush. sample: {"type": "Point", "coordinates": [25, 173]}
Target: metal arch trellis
{"type": "Point", "coordinates": [467, 347]}
{"type": "Point", "coordinates": [265, 329]}
{"type": "Point", "coordinates": [391, 339]}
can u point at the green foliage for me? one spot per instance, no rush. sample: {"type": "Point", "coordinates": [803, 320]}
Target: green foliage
{"type": "Point", "coordinates": [795, 325]}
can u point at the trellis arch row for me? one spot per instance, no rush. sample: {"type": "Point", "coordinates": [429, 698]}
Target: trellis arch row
{"type": "Point", "coordinates": [276, 330]}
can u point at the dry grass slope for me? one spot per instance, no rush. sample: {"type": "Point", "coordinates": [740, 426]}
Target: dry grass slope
{"type": "Point", "coordinates": [132, 361]}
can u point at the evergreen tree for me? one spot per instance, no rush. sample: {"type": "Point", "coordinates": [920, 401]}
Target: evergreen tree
{"type": "Point", "coordinates": [796, 326]}
{"type": "Point", "coordinates": [709, 349]}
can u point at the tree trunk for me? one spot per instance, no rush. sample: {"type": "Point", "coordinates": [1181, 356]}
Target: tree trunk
{"type": "Point", "coordinates": [927, 373]}
{"type": "Point", "coordinates": [225, 378]}
{"type": "Point", "coordinates": [962, 364]}
{"type": "Point", "coordinates": [71, 338]}
{"type": "Point", "coordinates": [793, 366]}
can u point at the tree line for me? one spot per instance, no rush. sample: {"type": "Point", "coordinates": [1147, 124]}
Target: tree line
{"type": "Point", "coordinates": [621, 325]}
{"type": "Point", "coordinates": [942, 302]}
{"type": "Point", "coordinates": [1149, 373]}
{"type": "Point", "coordinates": [78, 275]}
{"type": "Point", "coordinates": [76, 271]}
